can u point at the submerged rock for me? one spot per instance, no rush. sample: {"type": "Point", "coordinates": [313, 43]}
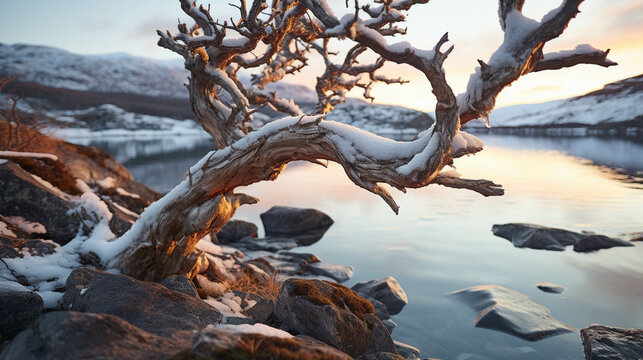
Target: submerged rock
{"type": "Point", "coordinates": [269, 243]}
{"type": "Point", "coordinates": [512, 312]}
{"type": "Point", "coordinates": [544, 238]}
{"type": "Point", "coordinates": [306, 226]}
{"type": "Point", "coordinates": [407, 351]}
{"type": "Point", "coordinates": [74, 335]}
{"type": "Point", "coordinates": [249, 343]}
{"type": "Point", "coordinates": [333, 314]}
{"type": "Point", "coordinates": [387, 291]}
{"type": "Point", "coordinates": [235, 230]}
{"type": "Point", "coordinates": [550, 287]}
{"type": "Point", "coordinates": [339, 273]}
{"type": "Point", "coordinates": [18, 311]}
{"type": "Point", "coordinates": [148, 305]}
{"type": "Point", "coordinates": [602, 342]}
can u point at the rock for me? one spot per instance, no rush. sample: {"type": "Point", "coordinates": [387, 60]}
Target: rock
{"type": "Point", "coordinates": [387, 291]}
{"type": "Point", "coordinates": [635, 236]}
{"type": "Point", "coordinates": [602, 342]}
{"type": "Point", "coordinates": [235, 230]}
{"type": "Point", "coordinates": [122, 218]}
{"type": "Point", "coordinates": [338, 273]}
{"type": "Point", "coordinates": [512, 312]}
{"type": "Point", "coordinates": [390, 325]}
{"type": "Point", "coordinates": [382, 356]}
{"type": "Point", "coordinates": [381, 311]}
{"type": "Point", "coordinates": [18, 311]}
{"type": "Point", "coordinates": [256, 307]}
{"type": "Point", "coordinates": [272, 244]}
{"type": "Point", "coordinates": [23, 195]}
{"type": "Point", "coordinates": [550, 287]}
{"type": "Point", "coordinates": [407, 351]}
{"type": "Point", "coordinates": [540, 237]}
{"type": "Point", "coordinates": [300, 258]}
{"type": "Point", "coordinates": [216, 343]}
{"type": "Point", "coordinates": [333, 314]}
{"type": "Point", "coordinates": [16, 247]}
{"type": "Point", "coordinates": [597, 242]}
{"type": "Point", "coordinates": [148, 305]}
{"type": "Point", "coordinates": [180, 283]}
{"type": "Point", "coordinates": [209, 287]}
{"type": "Point", "coordinates": [74, 335]}
{"type": "Point", "coordinates": [306, 226]}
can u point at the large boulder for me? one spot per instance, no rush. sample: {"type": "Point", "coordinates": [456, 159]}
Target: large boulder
{"type": "Point", "coordinates": [545, 238]}
{"type": "Point", "coordinates": [387, 291]}
{"type": "Point", "coordinates": [602, 342]}
{"type": "Point", "coordinates": [306, 226]}
{"type": "Point", "coordinates": [74, 335]}
{"type": "Point", "coordinates": [25, 196]}
{"type": "Point", "coordinates": [333, 314]}
{"type": "Point", "coordinates": [150, 306]}
{"type": "Point", "coordinates": [260, 343]}
{"type": "Point", "coordinates": [18, 311]}
{"type": "Point", "coordinates": [235, 230]}
{"type": "Point", "coordinates": [512, 312]}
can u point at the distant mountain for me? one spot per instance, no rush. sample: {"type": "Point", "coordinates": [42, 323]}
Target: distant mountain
{"type": "Point", "coordinates": [115, 73]}
{"type": "Point", "coordinates": [117, 94]}
{"type": "Point", "coordinates": [618, 107]}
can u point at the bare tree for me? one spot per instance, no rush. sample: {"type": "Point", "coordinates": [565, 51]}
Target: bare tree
{"type": "Point", "coordinates": [278, 39]}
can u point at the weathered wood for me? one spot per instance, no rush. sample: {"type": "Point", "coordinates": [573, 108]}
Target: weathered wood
{"type": "Point", "coordinates": [162, 242]}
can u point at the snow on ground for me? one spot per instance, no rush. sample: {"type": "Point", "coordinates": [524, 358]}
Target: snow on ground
{"type": "Point", "coordinates": [258, 328]}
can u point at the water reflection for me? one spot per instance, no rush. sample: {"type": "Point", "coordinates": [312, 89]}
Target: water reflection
{"type": "Point", "coordinates": [442, 240]}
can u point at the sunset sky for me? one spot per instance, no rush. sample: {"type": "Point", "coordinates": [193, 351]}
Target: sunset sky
{"type": "Point", "coordinates": [100, 27]}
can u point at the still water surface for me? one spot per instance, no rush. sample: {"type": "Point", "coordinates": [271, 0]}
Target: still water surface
{"type": "Point", "coordinates": [441, 241]}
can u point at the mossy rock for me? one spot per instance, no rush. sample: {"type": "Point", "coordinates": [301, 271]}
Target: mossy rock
{"type": "Point", "coordinates": [334, 314]}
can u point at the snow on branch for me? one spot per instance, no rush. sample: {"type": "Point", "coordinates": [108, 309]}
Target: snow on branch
{"type": "Point", "coordinates": [582, 54]}
{"type": "Point", "coordinates": [522, 52]}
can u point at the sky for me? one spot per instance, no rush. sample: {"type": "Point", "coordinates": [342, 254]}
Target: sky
{"type": "Point", "coordinates": [117, 26]}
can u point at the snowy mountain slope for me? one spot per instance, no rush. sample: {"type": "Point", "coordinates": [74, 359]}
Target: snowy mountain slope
{"type": "Point", "coordinates": [617, 102]}
{"type": "Point", "coordinates": [121, 94]}
{"type": "Point", "coordinates": [120, 73]}
{"type": "Point", "coordinates": [381, 119]}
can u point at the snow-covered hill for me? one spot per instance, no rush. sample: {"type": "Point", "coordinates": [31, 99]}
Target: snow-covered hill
{"type": "Point", "coordinates": [115, 73]}
{"type": "Point", "coordinates": [381, 119]}
{"type": "Point", "coordinates": [617, 103]}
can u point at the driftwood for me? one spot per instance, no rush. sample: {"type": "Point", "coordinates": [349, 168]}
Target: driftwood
{"type": "Point", "coordinates": [278, 38]}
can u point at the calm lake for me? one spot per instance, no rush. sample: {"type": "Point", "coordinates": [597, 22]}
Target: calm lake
{"type": "Point", "coordinates": [442, 241]}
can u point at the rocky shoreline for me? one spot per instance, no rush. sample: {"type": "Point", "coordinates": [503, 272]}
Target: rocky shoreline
{"type": "Point", "coordinates": [249, 296]}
